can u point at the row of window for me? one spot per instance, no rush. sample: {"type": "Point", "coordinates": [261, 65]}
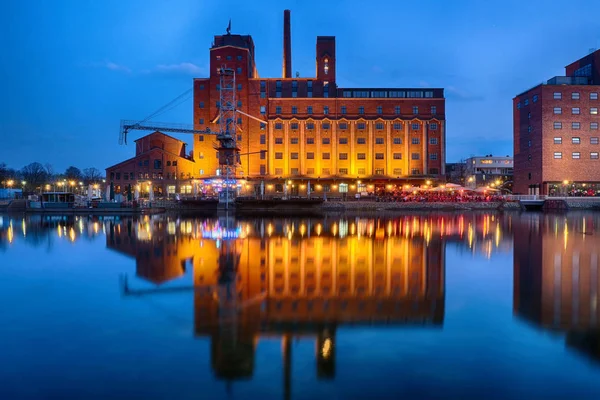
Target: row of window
{"type": "Point", "coordinates": [576, 140]}
{"type": "Point", "coordinates": [388, 93]}
{"type": "Point", "coordinates": [558, 96]}
{"type": "Point", "coordinates": [576, 155]}
{"type": "Point", "coordinates": [344, 171]}
{"type": "Point", "coordinates": [157, 163]}
{"type": "Point", "coordinates": [343, 110]}
{"type": "Point", "coordinates": [229, 58]}
{"type": "Point", "coordinates": [360, 140]}
{"type": "Point", "coordinates": [575, 125]}
{"type": "Point", "coordinates": [359, 125]}
{"type": "Point", "coordinates": [576, 110]}
{"type": "Point", "coordinates": [145, 175]}
{"type": "Point", "coordinates": [359, 156]}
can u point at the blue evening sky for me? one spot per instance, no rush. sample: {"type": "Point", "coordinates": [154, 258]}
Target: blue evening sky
{"type": "Point", "coordinates": [71, 69]}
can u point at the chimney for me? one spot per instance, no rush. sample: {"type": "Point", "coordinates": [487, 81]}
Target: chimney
{"type": "Point", "coordinates": [287, 45]}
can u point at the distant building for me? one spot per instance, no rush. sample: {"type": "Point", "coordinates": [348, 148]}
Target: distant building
{"type": "Point", "coordinates": [488, 170]}
{"type": "Point", "coordinates": [556, 136]}
{"type": "Point", "coordinates": [160, 164]}
{"type": "Point", "coordinates": [347, 138]}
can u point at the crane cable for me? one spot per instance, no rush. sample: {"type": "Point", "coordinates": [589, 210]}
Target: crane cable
{"type": "Point", "coordinates": [169, 106]}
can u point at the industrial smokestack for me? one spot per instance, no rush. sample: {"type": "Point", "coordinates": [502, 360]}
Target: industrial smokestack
{"type": "Point", "coordinates": [287, 45]}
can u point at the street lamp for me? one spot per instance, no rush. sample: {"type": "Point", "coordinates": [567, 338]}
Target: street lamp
{"type": "Point", "coordinates": [10, 183]}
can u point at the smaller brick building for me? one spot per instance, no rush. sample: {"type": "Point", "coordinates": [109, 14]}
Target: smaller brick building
{"type": "Point", "coordinates": [556, 134]}
{"type": "Point", "coordinates": [160, 164]}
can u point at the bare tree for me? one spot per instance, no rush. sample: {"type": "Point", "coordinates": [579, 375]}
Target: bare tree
{"type": "Point", "coordinates": [73, 173]}
{"type": "Point", "coordinates": [34, 174]}
{"type": "Point", "coordinates": [92, 175]}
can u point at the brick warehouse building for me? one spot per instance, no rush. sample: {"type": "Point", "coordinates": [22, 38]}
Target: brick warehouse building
{"type": "Point", "coordinates": [313, 130]}
{"type": "Point", "coordinates": [556, 136]}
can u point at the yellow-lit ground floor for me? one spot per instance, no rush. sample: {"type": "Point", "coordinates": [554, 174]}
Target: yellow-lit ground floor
{"type": "Point", "coordinates": [270, 186]}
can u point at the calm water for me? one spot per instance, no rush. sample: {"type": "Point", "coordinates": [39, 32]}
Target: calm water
{"type": "Point", "coordinates": [418, 306]}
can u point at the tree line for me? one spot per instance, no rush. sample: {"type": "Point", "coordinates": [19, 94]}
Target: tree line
{"type": "Point", "coordinates": [35, 174]}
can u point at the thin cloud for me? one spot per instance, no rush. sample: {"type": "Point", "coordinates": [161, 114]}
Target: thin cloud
{"type": "Point", "coordinates": [110, 65]}
{"type": "Point", "coordinates": [184, 68]}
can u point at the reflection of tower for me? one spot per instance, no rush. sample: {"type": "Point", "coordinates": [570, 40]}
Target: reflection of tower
{"type": "Point", "coordinates": [556, 277]}
{"type": "Point", "coordinates": [326, 353]}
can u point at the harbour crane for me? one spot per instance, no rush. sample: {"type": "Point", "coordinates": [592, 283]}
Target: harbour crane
{"type": "Point", "coordinates": [228, 151]}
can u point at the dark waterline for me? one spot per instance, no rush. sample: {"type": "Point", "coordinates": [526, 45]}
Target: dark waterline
{"type": "Point", "coordinates": [429, 305]}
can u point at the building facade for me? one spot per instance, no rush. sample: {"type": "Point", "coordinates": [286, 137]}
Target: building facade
{"type": "Point", "coordinates": [160, 165]}
{"type": "Point", "coordinates": [489, 170]}
{"type": "Point", "coordinates": [309, 128]}
{"type": "Point", "coordinates": [556, 136]}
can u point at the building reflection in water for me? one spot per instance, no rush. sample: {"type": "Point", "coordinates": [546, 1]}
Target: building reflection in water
{"type": "Point", "coordinates": [556, 280]}
{"type": "Point", "coordinates": [289, 278]}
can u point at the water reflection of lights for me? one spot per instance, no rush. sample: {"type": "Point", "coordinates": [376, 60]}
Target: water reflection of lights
{"type": "Point", "coordinates": [218, 233]}
{"type": "Point", "coordinates": [72, 234]}
{"type": "Point", "coordinates": [326, 348]}
{"type": "Point", "coordinates": [10, 232]}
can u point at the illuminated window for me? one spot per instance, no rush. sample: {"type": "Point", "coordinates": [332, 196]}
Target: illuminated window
{"type": "Point", "coordinates": [415, 171]}
{"type": "Point", "coordinates": [361, 156]}
{"type": "Point", "coordinates": [575, 125]}
{"type": "Point", "coordinates": [594, 155]}
{"type": "Point", "coordinates": [575, 110]}
{"type": "Point", "coordinates": [558, 125]}
{"type": "Point", "coordinates": [397, 156]}
{"type": "Point", "coordinates": [326, 66]}
{"type": "Point", "coordinates": [343, 156]}
{"type": "Point", "coordinates": [594, 111]}
{"type": "Point", "coordinates": [576, 140]}
{"type": "Point", "coordinates": [361, 171]}
{"type": "Point", "coordinates": [379, 171]}
{"type": "Point", "coordinates": [557, 110]}
{"type": "Point", "coordinates": [279, 156]}
{"type": "Point", "coordinates": [557, 140]}
{"type": "Point", "coordinates": [397, 171]}
{"type": "Point", "coordinates": [593, 125]}
{"type": "Point", "coordinates": [557, 155]}
{"type": "Point", "coordinates": [310, 156]}
{"type": "Point", "coordinates": [343, 171]}
{"type": "Point", "coordinates": [594, 96]}
{"type": "Point", "coordinates": [294, 156]}
{"type": "Point", "coordinates": [594, 140]}
{"type": "Point", "coordinates": [557, 95]}
{"type": "Point", "coordinates": [575, 95]}
{"type": "Point", "coordinates": [576, 155]}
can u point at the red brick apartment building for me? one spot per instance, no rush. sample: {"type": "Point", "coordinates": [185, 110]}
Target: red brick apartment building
{"type": "Point", "coordinates": [556, 135]}
{"type": "Point", "coordinates": [314, 130]}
